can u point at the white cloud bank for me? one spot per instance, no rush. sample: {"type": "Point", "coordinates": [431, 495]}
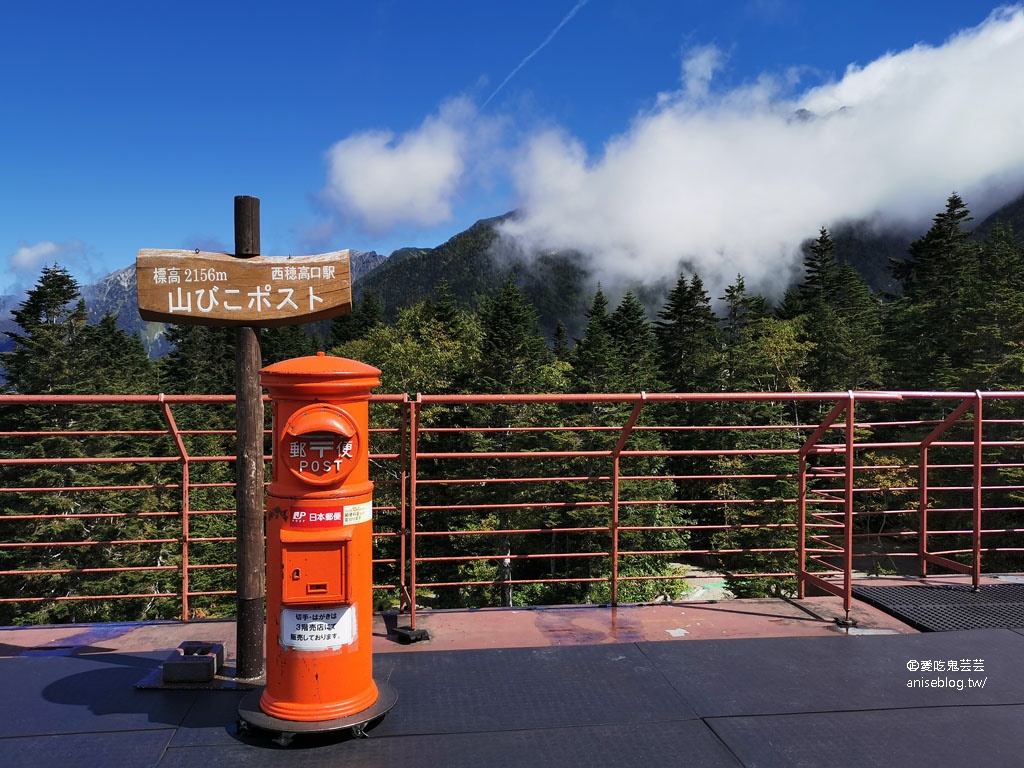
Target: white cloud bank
{"type": "Point", "coordinates": [725, 182]}
{"type": "Point", "coordinates": [28, 259]}
{"type": "Point", "coordinates": [382, 180]}
{"type": "Point", "coordinates": [733, 183]}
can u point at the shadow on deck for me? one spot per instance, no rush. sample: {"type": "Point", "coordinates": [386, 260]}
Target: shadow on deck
{"type": "Point", "coordinates": [734, 683]}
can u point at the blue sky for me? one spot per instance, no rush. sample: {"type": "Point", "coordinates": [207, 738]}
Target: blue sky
{"type": "Point", "coordinates": [637, 130]}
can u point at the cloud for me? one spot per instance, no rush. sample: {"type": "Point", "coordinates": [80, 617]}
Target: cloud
{"type": "Point", "coordinates": [732, 182]}
{"type": "Point", "coordinates": [381, 180]}
{"type": "Point", "coordinates": [699, 68]}
{"type": "Point", "coordinates": [29, 259]}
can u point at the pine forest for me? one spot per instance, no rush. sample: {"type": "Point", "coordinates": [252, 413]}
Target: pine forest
{"type": "Point", "coordinates": [955, 324]}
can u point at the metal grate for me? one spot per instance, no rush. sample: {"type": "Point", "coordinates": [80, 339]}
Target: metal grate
{"type": "Point", "coordinates": [950, 607]}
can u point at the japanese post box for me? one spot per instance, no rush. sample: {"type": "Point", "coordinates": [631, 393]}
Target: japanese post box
{"type": "Point", "coordinates": [319, 541]}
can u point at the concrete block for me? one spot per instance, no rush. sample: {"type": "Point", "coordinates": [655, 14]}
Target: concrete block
{"type": "Point", "coordinates": [194, 661]}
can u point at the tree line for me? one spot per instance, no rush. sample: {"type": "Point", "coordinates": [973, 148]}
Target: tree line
{"type": "Point", "coordinates": [957, 323]}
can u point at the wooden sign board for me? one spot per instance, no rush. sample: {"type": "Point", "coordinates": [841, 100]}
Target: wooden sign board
{"type": "Point", "coordinates": [200, 288]}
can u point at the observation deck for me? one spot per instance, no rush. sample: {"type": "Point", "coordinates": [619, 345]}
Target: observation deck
{"type": "Point", "coordinates": [764, 682]}
{"type": "Point", "coordinates": [625, 500]}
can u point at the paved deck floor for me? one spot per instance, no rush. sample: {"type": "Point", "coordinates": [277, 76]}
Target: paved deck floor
{"type": "Point", "coordinates": [736, 683]}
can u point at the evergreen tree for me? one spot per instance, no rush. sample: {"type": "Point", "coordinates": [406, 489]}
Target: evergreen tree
{"type": "Point", "coordinates": [637, 361]}
{"type": "Point", "coordinates": [635, 347]}
{"type": "Point", "coordinates": [593, 357]}
{"type": "Point", "coordinates": [56, 352]}
{"type": "Point", "coordinates": [763, 354]}
{"type": "Point", "coordinates": [560, 342]}
{"type": "Point", "coordinates": [285, 343]}
{"type": "Point", "coordinates": [433, 347]}
{"type": "Point", "coordinates": [45, 353]}
{"type": "Point", "coordinates": [514, 356]}
{"type": "Point", "coordinates": [618, 353]}
{"type": "Point", "coordinates": [821, 271]}
{"type": "Point", "coordinates": [941, 255]}
{"type": "Point", "coordinates": [443, 307]}
{"type": "Point", "coordinates": [114, 361]}
{"type": "Point", "coordinates": [367, 313]}
{"type": "Point", "coordinates": [993, 338]}
{"type": "Point", "coordinates": [840, 320]}
{"type": "Point", "coordinates": [859, 337]}
{"type": "Point", "coordinates": [691, 361]}
{"type": "Point", "coordinates": [689, 338]}
{"type": "Point", "coordinates": [201, 360]}
{"type": "Point", "coordinates": [927, 324]}
{"type": "Point", "coordinates": [742, 310]}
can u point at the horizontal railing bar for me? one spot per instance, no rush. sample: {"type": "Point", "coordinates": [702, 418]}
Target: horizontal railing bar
{"type": "Point", "coordinates": [677, 397]}
{"type": "Point", "coordinates": [61, 544]}
{"type": "Point", "coordinates": [574, 580]}
{"type": "Point", "coordinates": [90, 516]}
{"type": "Point", "coordinates": [748, 550]}
{"type": "Point", "coordinates": [86, 571]}
{"type": "Point", "coordinates": [509, 531]}
{"type": "Point", "coordinates": [543, 556]}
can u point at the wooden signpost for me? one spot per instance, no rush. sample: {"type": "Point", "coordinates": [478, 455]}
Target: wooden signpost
{"type": "Point", "coordinates": [221, 289]}
{"type": "Point", "coordinates": [247, 291]}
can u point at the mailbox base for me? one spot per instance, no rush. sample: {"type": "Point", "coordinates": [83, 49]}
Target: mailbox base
{"type": "Point", "coordinates": [251, 716]}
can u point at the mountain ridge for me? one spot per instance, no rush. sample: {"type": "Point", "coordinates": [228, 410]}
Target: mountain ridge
{"type": "Point", "coordinates": [474, 263]}
{"type": "Point", "coordinates": [117, 294]}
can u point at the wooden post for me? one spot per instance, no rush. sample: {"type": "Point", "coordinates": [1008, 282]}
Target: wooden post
{"type": "Point", "coordinates": [245, 291]}
{"type": "Point", "coordinates": [249, 466]}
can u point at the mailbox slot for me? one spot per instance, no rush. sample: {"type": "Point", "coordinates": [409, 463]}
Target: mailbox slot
{"type": "Point", "coordinates": [315, 566]}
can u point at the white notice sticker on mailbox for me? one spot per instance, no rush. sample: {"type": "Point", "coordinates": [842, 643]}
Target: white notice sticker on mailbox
{"type": "Point", "coordinates": [318, 629]}
{"type": "Point", "coordinates": [358, 513]}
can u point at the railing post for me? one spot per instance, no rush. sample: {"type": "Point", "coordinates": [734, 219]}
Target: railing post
{"type": "Point", "coordinates": [927, 557]}
{"type": "Point", "coordinates": [403, 479]}
{"type": "Point", "coordinates": [614, 531]}
{"type": "Point", "coordinates": [414, 436]}
{"type": "Point", "coordinates": [801, 527]}
{"type": "Point", "coordinates": [848, 507]}
{"type": "Point", "coordinates": [803, 575]}
{"type": "Point", "coordinates": [613, 526]}
{"type": "Point", "coordinates": [179, 443]}
{"type": "Point", "coordinates": [922, 513]}
{"type": "Point", "coordinates": [977, 497]}
{"type": "Point", "coordinates": [185, 537]}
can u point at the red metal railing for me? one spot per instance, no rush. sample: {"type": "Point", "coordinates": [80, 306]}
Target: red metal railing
{"type": "Point", "coordinates": [120, 507]}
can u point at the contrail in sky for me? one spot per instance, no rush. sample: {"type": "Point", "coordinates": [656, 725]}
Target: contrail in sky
{"type": "Point", "coordinates": [568, 17]}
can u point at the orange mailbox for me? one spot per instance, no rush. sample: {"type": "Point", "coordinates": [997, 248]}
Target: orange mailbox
{"type": "Point", "coordinates": [320, 549]}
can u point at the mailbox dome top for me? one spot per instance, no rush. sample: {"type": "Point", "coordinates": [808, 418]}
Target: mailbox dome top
{"type": "Point", "coordinates": [322, 364]}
